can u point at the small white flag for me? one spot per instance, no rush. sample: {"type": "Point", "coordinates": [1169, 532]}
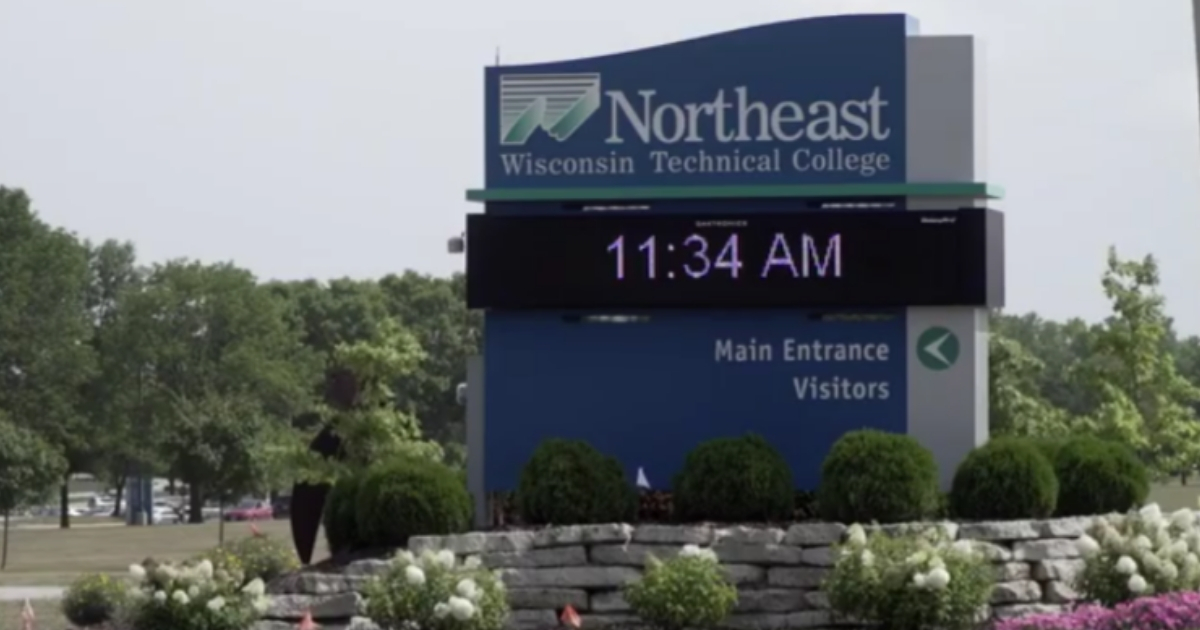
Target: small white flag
{"type": "Point", "coordinates": [642, 482]}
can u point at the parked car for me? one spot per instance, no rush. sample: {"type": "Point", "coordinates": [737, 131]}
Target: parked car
{"type": "Point", "coordinates": [165, 515]}
{"type": "Point", "coordinates": [250, 510]}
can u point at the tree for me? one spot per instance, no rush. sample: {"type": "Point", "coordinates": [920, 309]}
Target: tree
{"type": "Point", "coordinates": [435, 310]}
{"type": "Point", "coordinates": [113, 399]}
{"type": "Point", "coordinates": [223, 354]}
{"type": "Point", "coordinates": [29, 469]}
{"type": "Point", "coordinates": [1144, 400]}
{"type": "Point", "coordinates": [371, 428]}
{"type": "Point", "coordinates": [218, 440]}
{"type": "Point", "coordinates": [45, 354]}
{"type": "Point", "coordinates": [1016, 406]}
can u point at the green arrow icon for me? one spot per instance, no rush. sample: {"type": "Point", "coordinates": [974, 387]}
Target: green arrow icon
{"type": "Point", "coordinates": [937, 348]}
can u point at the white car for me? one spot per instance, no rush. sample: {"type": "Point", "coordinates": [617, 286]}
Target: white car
{"type": "Point", "coordinates": [162, 515]}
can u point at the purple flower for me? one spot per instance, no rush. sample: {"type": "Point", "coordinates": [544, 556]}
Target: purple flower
{"type": "Point", "coordinates": [1174, 611]}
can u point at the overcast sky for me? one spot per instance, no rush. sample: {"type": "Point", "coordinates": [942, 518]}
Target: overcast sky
{"type": "Point", "coordinates": [329, 138]}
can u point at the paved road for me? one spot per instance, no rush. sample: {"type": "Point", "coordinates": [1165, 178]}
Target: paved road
{"type": "Point", "coordinates": [74, 525]}
{"type": "Point", "coordinates": [22, 593]}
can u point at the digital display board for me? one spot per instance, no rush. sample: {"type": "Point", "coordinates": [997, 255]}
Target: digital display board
{"type": "Point", "coordinates": [836, 258]}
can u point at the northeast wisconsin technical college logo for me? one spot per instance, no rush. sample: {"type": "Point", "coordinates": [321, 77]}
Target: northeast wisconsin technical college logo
{"type": "Point", "coordinates": [558, 103]}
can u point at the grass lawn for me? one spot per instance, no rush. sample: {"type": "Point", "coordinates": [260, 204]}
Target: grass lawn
{"type": "Point", "coordinates": [47, 616]}
{"type": "Point", "coordinates": [54, 557]}
{"type": "Point", "coordinates": [1174, 495]}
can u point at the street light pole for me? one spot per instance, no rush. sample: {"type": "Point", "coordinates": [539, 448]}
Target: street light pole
{"type": "Point", "coordinates": [1196, 42]}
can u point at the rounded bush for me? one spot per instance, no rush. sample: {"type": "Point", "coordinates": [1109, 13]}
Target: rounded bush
{"type": "Point", "coordinates": [1004, 479]}
{"type": "Point", "coordinates": [409, 497]}
{"type": "Point", "coordinates": [569, 482]}
{"type": "Point", "coordinates": [340, 518]}
{"type": "Point", "coordinates": [93, 599]}
{"type": "Point", "coordinates": [871, 475]}
{"type": "Point", "coordinates": [263, 557]}
{"type": "Point", "coordinates": [734, 480]}
{"type": "Point", "coordinates": [1098, 477]}
{"type": "Point", "coordinates": [1049, 447]}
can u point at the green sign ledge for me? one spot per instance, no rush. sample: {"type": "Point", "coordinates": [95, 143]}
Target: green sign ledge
{"type": "Point", "coordinates": [974, 190]}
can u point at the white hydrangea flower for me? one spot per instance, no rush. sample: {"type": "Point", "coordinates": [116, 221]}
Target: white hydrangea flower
{"type": "Point", "coordinates": [867, 558]}
{"type": "Point", "coordinates": [205, 569]}
{"type": "Point", "coordinates": [404, 556]}
{"type": "Point", "coordinates": [1137, 584]}
{"type": "Point", "coordinates": [468, 589]}
{"type": "Point", "coordinates": [461, 608]}
{"type": "Point", "coordinates": [856, 535]}
{"type": "Point", "coordinates": [255, 587]}
{"type": "Point", "coordinates": [137, 572]}
{"type": "Point", "coordinates": [414, 575]}
{"type": "Point", "coordinates": [180, 597]}
{"type": "Point", "coordinates": [1151, 512]}
{"type": "Point", "coordinates": [919, 580]}
{"type": "Point", "coordinates": [1126, 566]}
{"type": "Point", "coordinates": [446, 558]}
{"type": "Point", "coordinates": [1087, 546]}
{"type": "Point", "coordinates": [160, 596]}
{"type": "Point", "coordinates": [1169, 570]}
{"type": "Point", "coordinates": [215, 604]}
{"type": "Point", "coordinates": [261, 604]}
{"type": "Point", "coordinates": [689, 551]}
{"type": "Point", "coordinates": [441, 609]}
{"type": "Point", "coordinates": [937, 579]}
{"type": "Point", "coordinates": [964, 547]}
{"type": "Point", "coordinates": [472, 563]}
{"type": "Point", "coordinates": [1183, 518]}
{"type": "Point", "coordinates": [193, 591]}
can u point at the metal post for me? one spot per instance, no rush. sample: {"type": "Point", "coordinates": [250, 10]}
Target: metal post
{"type": "Point", "coordinates": [1196, 42]}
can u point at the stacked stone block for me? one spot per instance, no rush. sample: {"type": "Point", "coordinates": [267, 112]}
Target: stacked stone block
{"type": "Point", "coordinates": [778, 571]}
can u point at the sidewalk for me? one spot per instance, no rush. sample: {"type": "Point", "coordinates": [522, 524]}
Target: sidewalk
{"type": "Point", "coordinates": [22, 593]}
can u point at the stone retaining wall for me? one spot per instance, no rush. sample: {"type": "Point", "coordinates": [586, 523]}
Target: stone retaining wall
{"type": "Point", "coordinates": [778, 571]}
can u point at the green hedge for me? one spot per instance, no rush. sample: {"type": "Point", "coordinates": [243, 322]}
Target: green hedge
{"type": "Point", "coordinates": [871, 475]}
{"type": "Point", "coordinates": [569, 481]}
{"type": "Point", "coordinates": [734, 480]}
{"type": "Point", "coordinates": [1098, 477]}
{"type": "Point", "coordinates": [410, 497]}
{"type": "Point", "coordinates": [1004, 479]}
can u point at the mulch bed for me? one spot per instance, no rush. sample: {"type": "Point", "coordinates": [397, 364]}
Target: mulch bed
{"type": "Point", "coordinates": [654, 507]}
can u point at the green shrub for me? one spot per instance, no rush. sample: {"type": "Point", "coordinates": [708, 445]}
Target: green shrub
{"type": "Point", "coordinates": [1004, 479]}
{"type": "Point", "coordinates": [192, 596]}
{"type": "Point", "coordinates": [258, 556]}
{"type": "Point", "coordinates": [569, 482]}
{"type": "Point", "coordinates": [1098, 477]}
{"type": "Point", "coordinates": [410, 497]}
{"type": "Point", "coordinates": [871, 475]}
{"type": "Point", "coordinates": [734, 480]}
{"type": "Point", "coordinates": [687, 591]}
{"type": "Point", "coordinates": [436, 592]}
{"type": "Point", "coordinates": [1126, 556]}
{"type": "Point", "coordinates": [910, 581]}
{"type": "Point", "coordinates": [93, 599]}
{"type": "Point", "coordinates": [1048, 447]}
{"type": "Point", "coordinates": [226, 564]}
{"type": "Point", "coordinates": [340, 515]}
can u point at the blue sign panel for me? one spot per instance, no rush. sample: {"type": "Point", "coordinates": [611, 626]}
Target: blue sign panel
{"type": "Point", "coordinates": [814, 101]}
{"type": "Point", "coordinates": [647, 392]}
